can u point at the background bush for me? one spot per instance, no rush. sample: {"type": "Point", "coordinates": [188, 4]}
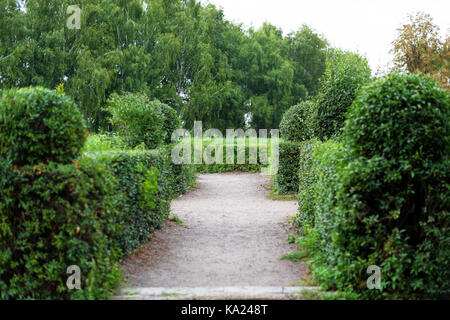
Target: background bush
{"type": "Point", "coordinates": [103, 142]}
{"type": "Point", "coordinates": [345, 74]}
{"type": "Point", "coordinates": [383, 200]}
{"type": "Point", "coordinates": [297, 121]}
{"type": "Point", "coordinates": [171, 121]}
{"type": "Point", "coordinates": [286, 180]}
{"type": "Point", "coordinates": [224, 166]}
{"type": "Point", "coordinates": [137, 119]}
{"type": "Point", "coordinates": [38, 125]}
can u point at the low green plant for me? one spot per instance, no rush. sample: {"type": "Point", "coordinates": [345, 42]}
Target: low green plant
{"type": "Point", "coordinates": [103, 142]}
{"type": "Point", "coordinates": [296, 256]}
{"type": "Point", "coordinates": [177, 220]}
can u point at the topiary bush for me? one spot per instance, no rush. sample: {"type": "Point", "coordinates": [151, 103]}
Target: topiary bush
{"type": "Point", "coordinates": [137, 119]}
{"type": "Point", "coordinates": [286, 179]}
{"type": "Point", "coordinates": [384, 198]}
{"type": "Point", "coordinates": [345, 74]}
{"type": "Point", "coordinates": [54, 216]}
{"type": "Point", "coordinates": [171, 121]}
{"type": "Point", "coordinates": [297, 121]}
{"type": "Point", "coordinates": [39, 125]}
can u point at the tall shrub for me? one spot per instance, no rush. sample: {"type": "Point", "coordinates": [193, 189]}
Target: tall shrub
{"type": "Point", "coordinates": [389, 204]}
{"type": "Point", "coordinates": [345, 74]}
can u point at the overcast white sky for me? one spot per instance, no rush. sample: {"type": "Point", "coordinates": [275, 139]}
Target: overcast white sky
{"type": "Point", "coordinates": [364, 26]}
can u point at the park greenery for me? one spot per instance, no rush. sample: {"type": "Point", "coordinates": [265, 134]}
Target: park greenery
{"type": "Point", "coordinates": [86, 123]}
{"type": "Point", "coordinates": [182, 53]}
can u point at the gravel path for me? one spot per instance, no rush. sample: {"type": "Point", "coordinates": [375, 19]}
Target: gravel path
{"type": "Point", "coordinates": [234, 236]}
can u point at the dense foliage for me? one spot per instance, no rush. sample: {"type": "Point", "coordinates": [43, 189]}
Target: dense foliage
{"type": "Point", "coordinates": [381, 197]}
{"type": "Point", "coordinates": [345, 73]}
{"type": "Point", "coordinates": [54, 212]}
{"type": "Point", "coordinates": [420, 48]}
{"type": "Point", "coordinates": [146, 182]}
{"type": "Point", "coordinates": [87, 211]}
{"type": "Point", "coordinates": [247, 156]}
{"type": "Point", "coordinates": [286, 179]}
{"type": "Point", "coordinates": [171, 121]}
{"type": "Point", "coordinates": [53, 216]}
{"type": "Point", "coordinates": [38, 125]}
{"type": "Point", "coordinates": [137, 120]}
{"type": "Point", "coordinates": [306, 179]}
{"type": "Point", "coordinates": [183, 53]}
{"type": "Point", "coordinates": [297, 122]}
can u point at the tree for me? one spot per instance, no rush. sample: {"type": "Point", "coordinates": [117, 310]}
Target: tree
{"type": "Point", "coordinates": [418, 48]}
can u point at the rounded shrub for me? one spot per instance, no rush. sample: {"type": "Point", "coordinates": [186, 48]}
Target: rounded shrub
{"type": "Point", "coordinates": [401, 118]}
{"type": "Point", "coordinates": [39, 125]}
{"type": "Point", "coordinates": [296, 124]}
{"type": "Point", "coordinates": [171, 121]}
{"type": "Point", "coordinates": [137, 119]}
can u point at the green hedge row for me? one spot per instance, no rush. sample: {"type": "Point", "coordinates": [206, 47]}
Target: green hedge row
{"type": "Point", "coordinates": [286, 180]}
{"type": "Point", "coordinates": [138, 120]}
{"type": "Point", "coordinates": [148, 181]}
{"type": "Point", "coordinates": [51, 217]}
{"type": "Point", "coordinates": [56, 211]}
{"type": "Point", "coordinates": [235, 166]}
{"type": "Point", "coordinates": [380, 196]}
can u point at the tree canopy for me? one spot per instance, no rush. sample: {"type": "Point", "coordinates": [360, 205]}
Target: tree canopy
{"type": "Point", "coordinates": [180, 52]}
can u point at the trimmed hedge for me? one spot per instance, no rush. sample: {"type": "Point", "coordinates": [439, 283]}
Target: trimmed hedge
{"type": "Point", "coordinates": [383, 198]}
{"type": "Point", "coordinates": [147, 181]}
{"type": "Point", "coordinates": [297, 122]}
{"type": "Point", "coordinates": [286, 180]}
{"type": "Point", "coordinates": [86, 212]}
{"type": "Point", "coordinates": [224, 167]}
{"type": "Point", "coordinates": [306, 178]}
{"type": "Point", "coordinates": [53, 216]}
{"type": "Point", "coordinates": [39, 125]}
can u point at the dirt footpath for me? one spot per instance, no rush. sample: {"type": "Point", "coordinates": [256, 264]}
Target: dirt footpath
{"type": "Point", "coordinates": [234, 236]}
